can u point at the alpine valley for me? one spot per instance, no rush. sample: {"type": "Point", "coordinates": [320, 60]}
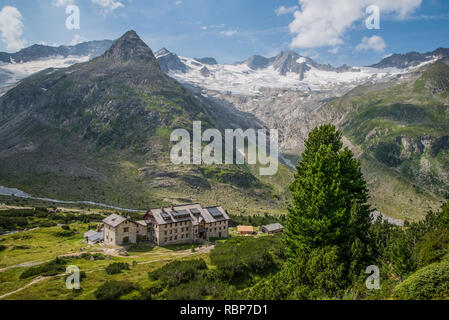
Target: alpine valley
{"type": "Point", "coordinates": [93, 122]}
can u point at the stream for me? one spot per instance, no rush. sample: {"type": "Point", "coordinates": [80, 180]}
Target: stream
{"type": "Point", "coordinates": [4, 191]}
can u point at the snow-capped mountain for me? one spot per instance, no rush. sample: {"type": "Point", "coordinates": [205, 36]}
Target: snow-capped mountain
{"type": "Point", "coordinates": [17, 66]}
{"type": "Point", "coordinates": [411, 59]}
{"type": "Point", "coordinates": [288, 70]}
{"type": "Point", "coordinates": [286, 91]}
{"type": "Point", "coordinates": [169, 61]}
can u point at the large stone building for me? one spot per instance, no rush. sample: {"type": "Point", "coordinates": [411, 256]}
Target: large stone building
{"type": "Point", "coordinates": [119, 230]}
{"type": "Point", "coordinates": [186, 224]}
{"type": "Point", "coordinates": [175, 225]}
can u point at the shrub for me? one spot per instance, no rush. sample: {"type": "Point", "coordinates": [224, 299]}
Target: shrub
{"type": "Point", "coordinates": [177, 272]}
{"type": "Point", "coordinates": [200, 289]}
{"type": "Point", "coordinates": [46, 224]}
{"type": "Point", "coordinates": [431, 282]}
{"type": "Point", "coordinates": [433, 247]}
{"type": "Point", "coordinates": [2, 247]}
{"type": "Point", "coordinates": [240, 256]}
{"type": "Point", "coordinates": [113, 290]}
{"type": "Point", "coordinates": [117, 267]}
{"type": "Point", "coordinates": [51, 268]}
{"type": "Point", "coordinates": [65, 233]}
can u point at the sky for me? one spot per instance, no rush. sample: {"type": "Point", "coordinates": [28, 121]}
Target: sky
{"type": "Point", "coordinates": [328, 31]}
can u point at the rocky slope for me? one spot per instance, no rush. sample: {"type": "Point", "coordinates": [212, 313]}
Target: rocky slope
{"type": "Point", "coordinates": [294, 94]}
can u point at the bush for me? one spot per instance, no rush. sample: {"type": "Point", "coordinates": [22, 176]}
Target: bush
{"type": "Point", "coordinates": [116, 267]}
{"type": "Point", "coordinates": [113, 290]}
{"type": "Point", "coordinates": [51, 268]}
{"type": "Point", "coordinates": [239, 256]}
{"type": "Point", "coordinates": [431, 282]}
{"type": "Point", "coordinates": [433, 247]}
{"type": "Point", "coordinates": [65, 233]}
{"type": "Point", "coordinates": [177, 272]}
{"type": "Point", "coordinates": [200, 289]}
{"type": "Point", "coordinates": [2, 247]}
{"type": "Point", "coordinates": [317, 274]}
{"type": "Point", "coordinates": [47, 224]}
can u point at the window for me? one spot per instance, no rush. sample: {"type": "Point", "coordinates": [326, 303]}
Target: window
{"type": "Point", "coordinates": [125, 229]}
{"type": "Point", "coordinates": [165, 233]}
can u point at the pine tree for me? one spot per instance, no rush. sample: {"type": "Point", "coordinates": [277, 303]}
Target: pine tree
{"type": "Point", "coordinates": [329, 196]}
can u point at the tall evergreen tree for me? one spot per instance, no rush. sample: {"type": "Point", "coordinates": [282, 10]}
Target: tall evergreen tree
{"type": "Point", "coordinates": [329, 205]}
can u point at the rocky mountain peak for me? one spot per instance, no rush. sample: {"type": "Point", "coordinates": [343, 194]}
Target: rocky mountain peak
{"type": "Point", "coordinates": [162, 52]}
{"type": "Point", "coordinates": [169, 61]}
{"type": "Point", "coordinates": [130, 48]}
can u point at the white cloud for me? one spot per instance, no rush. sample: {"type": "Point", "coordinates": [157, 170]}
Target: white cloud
{"type": "Point", "coordinates": [77, 39]}
{"type": "Point", "coordinates": [109, 5]}
{"type": "Point", "coordinates": [321, 23]}
{"type": "Point", "coordinates": [177, 3]}
{"type": "Point", "coordinates": [228, 33]}
{"type": "Point", "coordinates": [286, 10]}
{"type": "Point", "coordinates": [334, 50]}
{"type": "Point", "coordinates": [204, 28]}
{"type": "Point", "coordinates": [11, 28]}
{"type": "Point", "coordinates": [375, 43]}
{"type": "Point", "coordinates": [62, 3]}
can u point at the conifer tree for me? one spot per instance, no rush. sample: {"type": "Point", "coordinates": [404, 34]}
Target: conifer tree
{"type": "Point", "coordinates": [329, 196]}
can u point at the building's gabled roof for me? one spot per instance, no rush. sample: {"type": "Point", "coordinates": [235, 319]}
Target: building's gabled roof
{"type": "Point", "coordinates": [142, 223]}
{"type": "Point", "coordinates": [245, 229]}
{"type": "Point", "coordinates": [273, 227]}
{"type": "Point", "coordinates": [114, 220]}
{"type": "Point", "coordinates": [189, 212]}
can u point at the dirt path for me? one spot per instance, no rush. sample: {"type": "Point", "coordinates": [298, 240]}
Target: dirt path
{"type": "Point", "coordinates": [39, 279]}
{"type": "Point", "coordinates": [177, 254]}
{"type": "Point", "coordinates": [24, 265]}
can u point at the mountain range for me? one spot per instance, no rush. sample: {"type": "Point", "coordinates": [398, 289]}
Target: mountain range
{"type": "Point", "coordinates": [101, 130]}
{"type": "Point", "coordinates": [103, 124]}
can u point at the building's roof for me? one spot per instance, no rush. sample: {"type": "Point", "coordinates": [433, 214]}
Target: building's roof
{"type": "Point", "coordinates": [245, 229]}
{"type": "Point", "coordinates": [90, 233]}
{"type": "Point", "coordinates": [189, 212]}
{"type": "Point", "coordinates": [142, 223]}
{"type": "Point", "coordinates": [273, 227]}
{"type": "Point", "coordinates": [94, 236]}
{"type": "Point", "coordinates": [98, 236]}
{"type": "Point", "coordinates": [114, 220]}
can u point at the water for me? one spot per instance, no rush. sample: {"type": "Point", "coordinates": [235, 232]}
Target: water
{"type": "Point", "coordinates": [20, 194]}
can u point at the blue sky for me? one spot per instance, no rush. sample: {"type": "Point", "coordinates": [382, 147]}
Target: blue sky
{"type": "Point", "coordinates": [232, 30]}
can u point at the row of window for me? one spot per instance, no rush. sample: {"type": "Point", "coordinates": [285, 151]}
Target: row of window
{"type": "Point", "coordinates": [176, 231]}
{"type": "Point", "coordinates": [176, 224]}
{"type": "Point", "coordinates": [175, 238]}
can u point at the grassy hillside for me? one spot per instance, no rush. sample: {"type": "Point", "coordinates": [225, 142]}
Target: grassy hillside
{"type": "Point", "coordinates": [402, 132]}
